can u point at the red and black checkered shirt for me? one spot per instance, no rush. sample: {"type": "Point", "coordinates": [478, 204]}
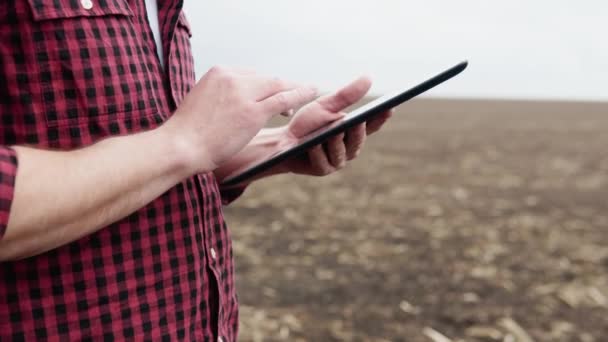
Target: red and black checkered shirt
{"type": "Point", "coordinates": [73, 72]}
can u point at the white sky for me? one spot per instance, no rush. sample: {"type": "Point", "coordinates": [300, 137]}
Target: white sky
{"type": "Point", "coordinates": [516, 48]}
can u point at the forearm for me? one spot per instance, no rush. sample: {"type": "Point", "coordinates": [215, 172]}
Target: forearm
{"type": "Point", "coordinates": [265, 143]}
{"type": "Point", "coordinates": [60, 197]}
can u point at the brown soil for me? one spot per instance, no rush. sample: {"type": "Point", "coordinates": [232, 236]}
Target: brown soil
{"type": "Point", "coordinates": [475, 220]}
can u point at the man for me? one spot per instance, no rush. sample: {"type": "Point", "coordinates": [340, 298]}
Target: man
{"type": "Point", "coordinates": [111, 223]}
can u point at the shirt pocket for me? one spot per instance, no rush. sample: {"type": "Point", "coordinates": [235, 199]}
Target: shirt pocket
{"type": "Point", "coordinates": [93, 65]}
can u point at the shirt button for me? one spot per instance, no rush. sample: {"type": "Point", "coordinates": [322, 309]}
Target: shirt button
{"type": "Point", "coordinates": [86, 4]}
{"type": "Point", "coordinates": [214, 255]}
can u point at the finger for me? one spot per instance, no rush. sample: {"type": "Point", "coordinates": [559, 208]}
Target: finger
{"type": "Point", "coordinates": [374, 124]}
{"type": "Point", "coordinates": [286, 100]}
{"type": "Point", "coordinates": [336, 151]}
{"type": "Point", "coordinates": [346, 96]}
{"type": "Point", "coordinates": [319, 163]}
{"type": "Point", "coordinates": [311, 118]}
{"type": "Point", "coordinates": [355, 138]}
{"type": "Point", "coordinates": [263, 87]}
{"type": "Point", "coordinates": [243, 71]}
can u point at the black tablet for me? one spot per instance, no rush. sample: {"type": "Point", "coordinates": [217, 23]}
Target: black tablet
{"type": "Point", "coordinates": [354, 118]}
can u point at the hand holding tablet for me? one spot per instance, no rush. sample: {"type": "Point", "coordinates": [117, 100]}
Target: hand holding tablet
{"type": "Point", "coordinates": [352, 119]}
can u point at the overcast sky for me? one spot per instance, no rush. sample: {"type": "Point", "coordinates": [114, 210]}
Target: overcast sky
{"type": "Point", "coordinates": [516, 48]}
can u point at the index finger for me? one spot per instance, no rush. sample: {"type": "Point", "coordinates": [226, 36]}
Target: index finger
{"type": "Point", "coordinates": [287, 100]}
{"type": "Point", "coordinates": [264, 88]}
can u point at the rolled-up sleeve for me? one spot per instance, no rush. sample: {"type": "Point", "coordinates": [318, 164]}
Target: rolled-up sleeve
{"type": "Point", "coordinates": [8, 172]}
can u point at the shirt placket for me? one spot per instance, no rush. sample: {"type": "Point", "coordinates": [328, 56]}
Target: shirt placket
{"type": "Point", "coordinates": [209, 245]}
{"type": "Point", "coordinates": [152, 46]}
{"type": "Point", "coordinates": [203, 188]}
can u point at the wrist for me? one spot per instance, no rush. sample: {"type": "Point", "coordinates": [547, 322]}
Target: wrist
{"type": "Point", "coordinates": [180, 152]}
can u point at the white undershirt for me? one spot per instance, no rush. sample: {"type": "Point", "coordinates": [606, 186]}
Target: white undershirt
{"type": "Point", "coordinates": [152, 9]}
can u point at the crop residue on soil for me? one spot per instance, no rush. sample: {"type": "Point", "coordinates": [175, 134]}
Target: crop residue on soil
{"type": "Point", "coordinates": [461, 221]}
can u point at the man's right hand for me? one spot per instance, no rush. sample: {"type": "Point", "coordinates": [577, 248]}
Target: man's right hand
{"type": "Point", "coordinates": [81, 191]}
{"type": "Point", "coordinates": [226, 109]}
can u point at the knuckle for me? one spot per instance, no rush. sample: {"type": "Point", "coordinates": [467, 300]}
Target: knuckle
{"type": "Point", "coordinates": [223, 75]}
{"type": "Point", "coordinates": [300, 95]}
{"type": "Point", "coordinates": [324, 169]}
{"type": "Point", "coordinates": [306, 93]}
{"type": "Point", "coordinates": [228, 81]}
{"type": "Point", "coordinates": [343, 97]}
{"type": "Point", "coordinates": [217, 70]}
{"type": "Point", "coordinates": [282, 100]}
{"type": "Point", "coordinates": [340, 164]}
{"type": "Point", "coordinates": [310, 94]}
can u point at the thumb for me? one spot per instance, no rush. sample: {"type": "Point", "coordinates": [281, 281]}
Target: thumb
{"type": "Point", "coordinates": [346, 96]}
{"type": "Point", "coordinates": [311, 118]}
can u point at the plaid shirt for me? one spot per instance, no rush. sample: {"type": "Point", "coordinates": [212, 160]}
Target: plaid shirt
{"type": "Point", "coordinates": [73, 72]}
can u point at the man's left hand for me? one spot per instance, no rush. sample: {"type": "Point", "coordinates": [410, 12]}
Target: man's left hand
{"type": "Point", "coordinates": [332, 155]}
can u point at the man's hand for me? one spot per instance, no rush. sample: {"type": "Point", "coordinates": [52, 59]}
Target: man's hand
{"type": "Point", "coordinates": [226, 109]}
{"type": "Point", "coordinates": [80, 191]}
{"type": "Point", "coordinates": [331, 156]}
